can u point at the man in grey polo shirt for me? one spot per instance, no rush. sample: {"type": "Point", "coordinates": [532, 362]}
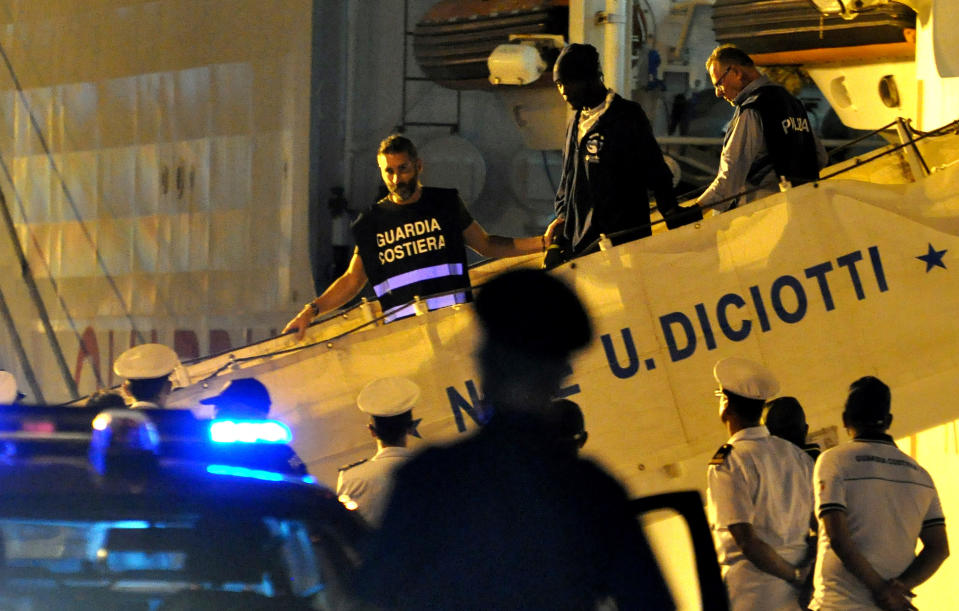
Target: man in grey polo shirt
{"type": "Point", "coordinates": [873, 503]}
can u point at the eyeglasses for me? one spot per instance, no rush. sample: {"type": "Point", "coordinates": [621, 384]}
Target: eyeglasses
{"type": "Point", "coordinates": [719, 392]}
{"type": "Point", "coordinates": [719, 83]}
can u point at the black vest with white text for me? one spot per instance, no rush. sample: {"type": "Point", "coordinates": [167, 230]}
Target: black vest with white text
{"type": "Point", "coordinates": [415, 250]}
{"type": "Point", "coordinates": [790, 145]}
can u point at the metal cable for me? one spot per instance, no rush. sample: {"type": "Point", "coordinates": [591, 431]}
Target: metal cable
{"type": "Point", "coordinates": [67, 194]}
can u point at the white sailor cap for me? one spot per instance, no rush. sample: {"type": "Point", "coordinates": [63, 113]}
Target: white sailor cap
{"type": "Point", "coordinates": [388, 397]}
{"type": "Point", "coordinates": [146, 361]}
{"type": "Point", "coordinates": [745, 378]}
{"type": "Point", "coordinates": [8, 388]}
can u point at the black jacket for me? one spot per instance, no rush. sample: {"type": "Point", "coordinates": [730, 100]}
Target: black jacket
{"type": "Point", "coordinates": [788, 135]}
{"type": "Point", "coordinates": [603, 188]}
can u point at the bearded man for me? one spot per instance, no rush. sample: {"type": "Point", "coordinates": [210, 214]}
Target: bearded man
{"type": "Point", "coordinates": [411, 243]}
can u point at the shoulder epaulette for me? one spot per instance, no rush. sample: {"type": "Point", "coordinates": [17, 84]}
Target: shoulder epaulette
{"type": "Point", "coordinates": [720, 456]}
{"type": "Point", "coordinates": [353, 464]}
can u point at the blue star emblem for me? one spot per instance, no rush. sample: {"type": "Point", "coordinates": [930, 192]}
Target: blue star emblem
{"type": "Point", "coordinates": [933, 258]}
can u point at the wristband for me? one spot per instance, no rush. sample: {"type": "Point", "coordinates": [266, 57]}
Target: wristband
{"type": "Point", "coordinates": [313, 308]}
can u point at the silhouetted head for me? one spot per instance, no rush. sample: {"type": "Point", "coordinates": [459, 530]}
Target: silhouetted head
{"type": "Point", "coordinates": [868, 406]}
{"type": "Point", "coordinates": [785, 418]}
{"type": "Point", "coordinates": [578, 76]}
{"type": "Point", "coordinates": [241, 398]}
{"type": "Point", "coordinates": [105, 398]}
{"type": "Point", "coordinates": [532, 323]}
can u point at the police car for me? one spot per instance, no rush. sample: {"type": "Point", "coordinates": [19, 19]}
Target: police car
{"type": "Point", "coordinates": [155, 509]}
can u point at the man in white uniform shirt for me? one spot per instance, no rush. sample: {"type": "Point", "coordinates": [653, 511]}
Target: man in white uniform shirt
{"type": "Point", "coordinates": [874, 502]}
{"type": "Point", "coordinates": [759, 496]}
{"type": "Point", "coordinates": [146, 369]}
{"type": "Point", "coordinates": [366, 485]}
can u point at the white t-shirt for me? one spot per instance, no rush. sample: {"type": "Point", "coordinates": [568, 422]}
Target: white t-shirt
{"type": "Point", "coordinates": [589, 116]}
{"type": "Point", "coordinates": [888, 499]}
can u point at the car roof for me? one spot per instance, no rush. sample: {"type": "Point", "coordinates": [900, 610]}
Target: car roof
{"type": "Point", "coordinates": [45, 464]}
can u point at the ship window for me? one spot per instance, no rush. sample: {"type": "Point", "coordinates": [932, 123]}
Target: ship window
{"type": "Point", "coordinates": [888, 91]}
{"type": "Point", "coordinates": [839, 92]}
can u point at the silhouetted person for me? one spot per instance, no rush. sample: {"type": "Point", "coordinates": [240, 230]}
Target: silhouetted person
{"type": "Point", "coordinates": [241, 398]}
{"type": "Point", "coordinates": [502, 519]}
{"type": "Point", "coordinates": [106, 398]}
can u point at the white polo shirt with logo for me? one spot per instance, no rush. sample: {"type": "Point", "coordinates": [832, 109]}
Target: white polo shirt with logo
{"type": "Point", "coordinates": [888, 499]}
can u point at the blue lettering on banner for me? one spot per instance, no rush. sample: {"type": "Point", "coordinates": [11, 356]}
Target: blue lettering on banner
{"type": "Point", "coordinates": [706, 327]}
{"type": "Point", "coordinates": [781, 311]}
{"type": "Point", "coordinates": [632, 366]}
{"type": "Point", "coordinates": [458, 404]}
{"type": "Point", "coordinates": [877, 267]}
{"type": "Point", "coordinates": [760, 308]}
{"type": "Point", "coordinates": [686, 326]}
{"type": "Point", "coordinates": [787, 300]}
{"type": "Point", "coordinates": [737, 335]}
{"type": "Point", "coordinates": [850, 261]}
{"type": "Point", "coordinates": [567, 391]}
{"type": "Point", "coordinates": [819, 273]}
{"type": "Point", "coordinates": [474, 406]}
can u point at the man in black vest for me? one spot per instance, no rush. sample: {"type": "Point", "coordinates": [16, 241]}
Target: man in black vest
{"type": "Point", "coordinates": [610, 161]}
{"type": "Point", "coordinates": [769, 137]}
{"type": "Point", "coordinates": [411, 244]}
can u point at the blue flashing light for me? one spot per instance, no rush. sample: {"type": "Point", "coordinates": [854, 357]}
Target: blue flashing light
{"type": "Point", "coordinates": [250, 431]}
{"type": "Point", "coordinates": [130, 524]}
{"type": "Point", "coordinates": [261, 474]}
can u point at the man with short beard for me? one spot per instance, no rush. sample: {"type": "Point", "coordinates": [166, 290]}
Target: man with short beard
{"type": "Point", "coordinates": [411, 243]}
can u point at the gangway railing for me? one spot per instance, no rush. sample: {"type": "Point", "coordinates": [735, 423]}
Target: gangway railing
{"type": "Point", "coordinates": [372, 320]}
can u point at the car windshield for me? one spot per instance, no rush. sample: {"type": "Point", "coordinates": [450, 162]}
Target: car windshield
{"type": "Point", "coordinates": [165, 562]}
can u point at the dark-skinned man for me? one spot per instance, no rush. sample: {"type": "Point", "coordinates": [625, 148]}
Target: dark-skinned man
{"type": "Point", "coordinates": [411, 243]}
{"type": "Point", "coordinates": [610, 161]}
{"type": "Point", "coordinates": [759, 496]}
